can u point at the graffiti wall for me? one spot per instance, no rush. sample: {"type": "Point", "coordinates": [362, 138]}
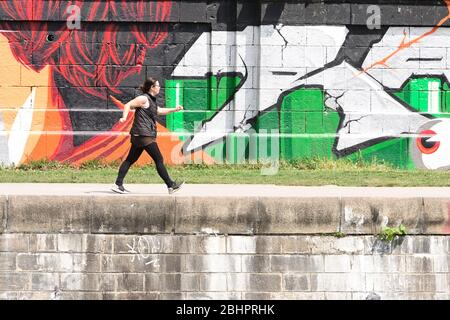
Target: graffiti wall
{"type": "Point", "coordinates": [257, 79]}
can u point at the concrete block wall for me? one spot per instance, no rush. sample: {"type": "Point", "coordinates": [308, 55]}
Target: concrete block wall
{"type": "Point", "coordinates": [291, 79]}
{"type": "Point", "coordinates": [180, 248]}
{"type": "Point", "coordinates": [86, 266]}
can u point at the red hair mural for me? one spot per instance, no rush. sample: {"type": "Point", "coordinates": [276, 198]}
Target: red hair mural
{"type": "Point", "coordinates": [93, 61]}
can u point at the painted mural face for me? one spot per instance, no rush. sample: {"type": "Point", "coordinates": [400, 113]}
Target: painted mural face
{"type": "Point", "coordinates": [330, 91]}
{"type": "Point", "coordinates": [61, 90]}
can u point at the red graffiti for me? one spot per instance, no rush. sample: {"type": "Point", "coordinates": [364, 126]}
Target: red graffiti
{"type": "Point", "coordinates": [87, 59]}
{"type": "Point", "coordinates": [81, 50]}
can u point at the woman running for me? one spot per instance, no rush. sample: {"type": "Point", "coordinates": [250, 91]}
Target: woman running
{"type": "Point", "coordinates": [143, 134]}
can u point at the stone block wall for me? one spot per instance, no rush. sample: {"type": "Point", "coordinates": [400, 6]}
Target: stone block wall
{"type": "Point", "coordinates": [94, 247]}
{"type": "Point", "coordinates": [86, 266]}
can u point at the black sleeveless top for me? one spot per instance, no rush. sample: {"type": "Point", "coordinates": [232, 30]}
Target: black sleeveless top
{"type": "Point", "coordinates": [144, 123]}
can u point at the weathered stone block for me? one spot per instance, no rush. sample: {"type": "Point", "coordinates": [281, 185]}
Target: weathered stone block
{"type": "Point", "coordinates": [132, 214]}
{"type": "Point", "coordinates": [441, 263]}
{"type": "Point", "coordinates": [178, 282]}
{"type": "Point", "coordinates": [338, 295]}
{"type": "Point", "coordinates": [216, 215]}
{"type": "Point", "coordinates": [256, 296]}
{"type": "Point", "coordinates": [361, 263]}
{"type": "Point", "coordinates": [140, 263]}
{"type": "Point", "coordinates": [419, 245]}
{"type": "Point", "coordinates": [254, 244]}
{"type": "Point", "coordinates": [295, 263]}
{"type": "Point", "coordinates": [50, 262]}
{"type": "Point", "coordinates": [39, 214]}
{"type": "Point", "coordinates": [96, 243]}
{"type": "Point", "coordinates": [368, 215]}
{"type": "Point", "coordinates": [143, 245]}
{"type": "Point", "coordinates": [15, 281]}
{"type": "Point", "coordinates": [337, 263]}
{"type": "Point", "coordinates": [212, 296]}
{"type": "Point", "coordinates": [297, 295]}
{"type": "Point", "coordinates": [108, 282]}
{"type": "Point", "coordinates": [130, 263]}
{"type": "Point", "coordinates": [256, 263]}
{"type": "Point", "coordinates": [297, 215]}
{"type": "Point", "coordinates": [384, 282]}
{"type": "Point", "coordinates": [70, 242]}
{"type": "Point", "coordinates": [436, 216]}
{"type": "Point", "coordinates": [295, 244]}
{"type": "Point", "coordinates": [212, 263]}
{"type": "Point", "coordinates": [321, 244]}
{"type": "Point", "coordinates": [338, 282]}
{"type": "Point", "coordinates": [13, 242]}
{"type": "Point", "coordinates": [213, 282]}
{"type": "Point", "coordinates": [8, 295]}
{"type": "Point", "coordinates": [7, 261]}
{"type": "Point", "coordinates": [151, 282]}
{"type": "Point", "coordinates": [80, 282]}
{"type": "Point", "coordinates": [172, 262]}
{"type": "Point", "coordinates": [43, 242]}
{"type": "Point", "coordinates": [172, 296]}
{"type": "Point", "coordinates": [197, 244]}
{"type": "Point", "coordinates": [44, 281]}
{"type": "Point", "coordinates": [253, 282]}
{"type": "Point", "coordinates": [296, 282]}
{"type": "Point", "coordinates": [87, 262]}
{"type": "Point", "coordinates": [389, 263]}
{"type": "Point", "coordinates": [130, 282]}
{"type": "Point", "coordinates": [419, 264]}
{"type": "Point", "coordinates": [348, 245]}
{"type": "Point", "coordinates": [77, 295]}
{"type": "Point", "coordinates": [420, 283]}
{"type": "Point", "coordinates": [3, 212]}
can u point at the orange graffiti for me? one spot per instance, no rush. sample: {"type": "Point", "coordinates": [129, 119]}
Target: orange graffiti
{"type": "Point", "coordinates": [403, 45]}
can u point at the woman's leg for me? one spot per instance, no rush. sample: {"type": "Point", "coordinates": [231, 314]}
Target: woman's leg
{"type": "Point", "coordinates": [133, 156]}
{"type": "Point", "coordinates": [153, 151]}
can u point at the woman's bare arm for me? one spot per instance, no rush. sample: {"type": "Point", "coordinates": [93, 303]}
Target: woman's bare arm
{"type": "Point", "coordinates": [165, 111]}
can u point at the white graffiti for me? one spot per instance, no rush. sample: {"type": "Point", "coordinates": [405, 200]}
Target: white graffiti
{"type": "Point", "coordinates": [12, 146]}
{"type": "Point", "coordinates": [74, 19]}
{"type": "Point", "coordinates": [271, 57]}
{"type": "Point", "coordinates": [275, 59]}
{"type": "Point", "coordinates": [143, 248]}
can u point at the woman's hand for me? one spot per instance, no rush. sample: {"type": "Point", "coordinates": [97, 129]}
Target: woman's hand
{"type": "Point", "coordinates": [178, 108]}
{"type": "Point", "coordinates": [122, 120]}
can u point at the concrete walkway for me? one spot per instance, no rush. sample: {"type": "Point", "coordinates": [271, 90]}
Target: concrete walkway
{"type": "Point", "coordinates": [222, 190]}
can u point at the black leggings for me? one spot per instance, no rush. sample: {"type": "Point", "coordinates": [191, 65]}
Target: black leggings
{"type": "Point", "coordinates": [134, 154]}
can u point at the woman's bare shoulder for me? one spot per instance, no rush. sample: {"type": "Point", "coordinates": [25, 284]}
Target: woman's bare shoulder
{"type": "Point", "coordinates": [141, 100]}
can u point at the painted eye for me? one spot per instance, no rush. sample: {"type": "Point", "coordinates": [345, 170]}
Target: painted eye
{"type": "Point", "coordinates": [425, 146]}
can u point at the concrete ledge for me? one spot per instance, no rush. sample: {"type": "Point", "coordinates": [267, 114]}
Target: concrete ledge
{"type": "Point", "coordinates": [436, 219]}
{"type": "Point", "coordinates": [40, 213]}
{"type": "Point", "coordinates": [368, 215]}
{"type": "Point", "coordinates": [299, 215]}
{"type": "Point", "coordinates": [221, 215]}
{"type": "Point", "coordinates": [229, 215]}
{"type": "Point", "coordinates": [3, 210]}
{"type": "Point", "coordinates": [133, 214]}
